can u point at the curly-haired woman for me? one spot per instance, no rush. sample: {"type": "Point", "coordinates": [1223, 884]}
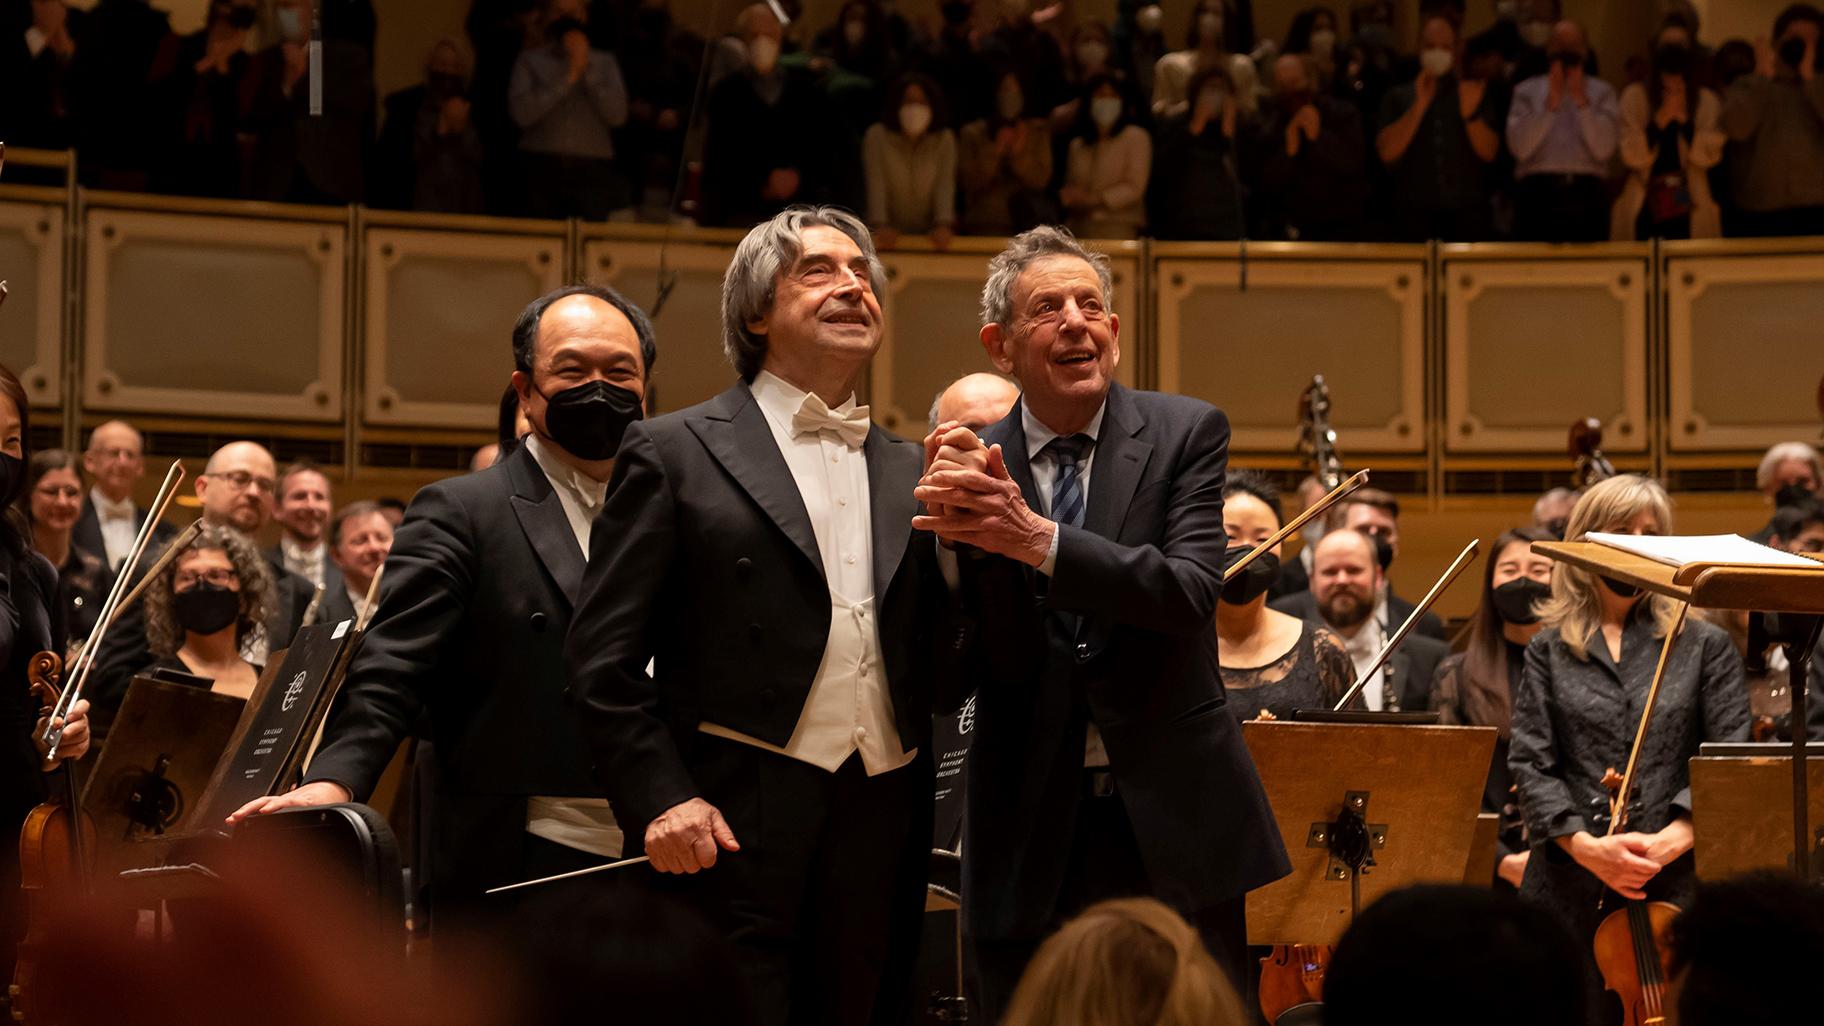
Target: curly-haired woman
{"type": "Point", "coordinates": [205, 606]}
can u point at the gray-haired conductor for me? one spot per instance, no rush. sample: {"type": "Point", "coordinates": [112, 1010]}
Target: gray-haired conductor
{"type": "Point", "coordinates": [758, 550]}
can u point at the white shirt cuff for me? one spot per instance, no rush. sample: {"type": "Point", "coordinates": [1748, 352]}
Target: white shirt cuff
{"type": "Point", "coordinates": [1051, 556]}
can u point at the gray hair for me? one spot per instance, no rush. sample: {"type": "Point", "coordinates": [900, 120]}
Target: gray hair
{"type": "Point", "coordinates": [752, 279]}
{"type": "Point", "coordinates": [1780, 453]}
{"type": "Point", "coordinates": [1022, 250]}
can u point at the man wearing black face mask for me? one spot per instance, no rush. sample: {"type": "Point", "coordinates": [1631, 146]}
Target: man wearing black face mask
{"type": "Point", "coordinates": [1777, 117]}
{"type": "Point", "coordinates": [196, 83]}
{"type": "Point", "coordinates": [480, 585]}
{"type": "Point", "coordinates": [1312, 155]}
{"type": "Point", "coordinates": [430, 150]}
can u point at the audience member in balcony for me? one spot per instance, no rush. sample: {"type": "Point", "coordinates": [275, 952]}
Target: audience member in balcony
{"type": "Point", "coordinates": [300, 157]}
{"type": "Point", "coordinates": [1204, 164]}
{"type": "Point", "coordinates": [196, 83]}
{"type": "Point", "coordinates": [1537, 19]}
{"type": "Point", "coordinates": [659, 62]}
{"type": "Point", "coordinates": [1005, 162]}
{"type": "Point", "coordinates": [854, 63]}
{"type": "Point", "coordinates": [114, 132]}
{"type": "Point", "coordinates": [1563, 128]}
{"type": "Point", "coordinates": [1140, 42]}
{"type": "Point", "coordinates": [52, 502]}
{"type": "Point", "coordinates": [1017, 42]}
{"type": "Point", "coordinates": [1367, 67]}
{"type": "Point", "coordinates": [1110, 158]}
{"type": "Point", "coordinates": [768, 141]}
{"type": "Point", "coordinates": [1204, 46]}
{"type": "Point", "coordinates": [909, 159]}
{"type": "Point", "coordinates": [497, 30]}
{"type": "Point", "coordinates": [430, 154]}
{"type": "Point", "coordinates": [1671, 136]}
{"type": "Point", "coordinates": [1437, 143]}
{"type": "Point", "coordinates": [1312, 154]}
{"type": "Point", "coordinates": [1777, 113]}
{"type": "Point", "coordinates": [115, 460]}
{"type": "Point", "coordinates": [1091, 44]}
{"type": "Point", "coordinates": [568, 98]}
{"type": "Point", "coordinates": [38, 59]}
{"type": "Point", "coordinates": [302, 506]}
{"type": "Point", "coordinates": [1313, 33]}
{"type": "Point", "coordinates": [949, 57]}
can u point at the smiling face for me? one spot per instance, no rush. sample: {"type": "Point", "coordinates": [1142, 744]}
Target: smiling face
{"type": "Point", "coordinates": [1248, 521]}
{"type": "Point", "coordinates": [57, 499]}
{"type": "Point", "coordinates": [824, 308]}
{"type": "Point", "coordinates": [303, 506]}
{"type": "Point", "coordinates": [361, 547]}
{"type": "Point", "coordinates": [1063, 343]}
{"type": "Point", "coordinates": [1518, 560]}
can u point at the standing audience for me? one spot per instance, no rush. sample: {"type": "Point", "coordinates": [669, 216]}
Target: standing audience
{"type": "Point", "coordinates": [568, 99]}
{"type": "Point", "coordinates": [1671, 136]}
{"type": "Point", "coordinates": [430, 153]}
{"type": "Point", "coordinates": [1437, 143]}
{"type": "Point", "coordinates": [1562, 128]}
{"type": "Point", "coordinates": [1110, 159]}
{"type": "Point", "coordinates": [1312, 157]}
{"type": "Point", "coordinates": [910, 162]}
{"type": "Point", "coordinates": [1776, 114]}
{"type": "Point", "coordinates": [1005, 164]}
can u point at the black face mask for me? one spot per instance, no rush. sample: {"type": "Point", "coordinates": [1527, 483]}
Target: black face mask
{"type": "Point", "coordinates": [1792, 51]}
{"type": "Point", "coordinates": [206, 608]}
{"type": "Point", "coordinates": [239, 17]}
{"type": "Point", "coordinates": [956, 13]}
{"type": "Point", "coordinates": [1556, 527]}
{"type": "Point", "coordinates": [1383, 552]}
{"type": "Point", "coordinates": [1671, 59]}
{"type": "Point", "coordinates": [589, 420]}
{"type": "Point", "coordinates": [1793, 495]}
{"type": "Point", "coordinates": [563, 27]}
{"type": "Point", "coordinates": [1514, 601]}
{"type": "Point", "coordinates": [1619, 588]}
{"type": "Point", "coordinates": [12, 474]}
{"type": "Point", "coordinates": [1568, 60]}
{"type": "Point", "coordinates": [443, 85]}
{"type": "Point", "coordinates": [1254, 579]}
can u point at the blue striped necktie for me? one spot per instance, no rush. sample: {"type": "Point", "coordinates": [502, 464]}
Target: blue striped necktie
{"type": "Point", "coordinates": [1067, 491]}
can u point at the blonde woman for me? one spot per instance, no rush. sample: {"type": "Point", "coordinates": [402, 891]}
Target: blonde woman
{"type": "Point", "coordinates": [1127, 962]}
{"type": "Point", "coordinates": [1580, 701]}
{"type": "Point", "coordinates": [204, 607]}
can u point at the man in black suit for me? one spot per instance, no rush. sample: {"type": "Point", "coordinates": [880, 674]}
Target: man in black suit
{"type": "Point", "coordinates": [235, 489]}
{"type": "Point", "coordinates": [757, 551]}
{"type": "Point", "coordinates": [359, 538]}
{"type": "Point", "coordinates": [1376, 514]}
{"type": "Point", "coordinates": [115, 461]}
{"type": "Point", "coordinates": [1105, 760]}
{"type": "Point", "coordinates": [479, 589]}
{"type": "Point", "coordinates": [1346, 577]}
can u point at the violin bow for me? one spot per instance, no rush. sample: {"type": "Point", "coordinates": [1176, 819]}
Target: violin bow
{"type": "Point", "coordinates": [1462, 562]}
{"type": "Point", "coordinates": [1618, 805]}
{"type": "Point", "coordinates": [1336, 495]}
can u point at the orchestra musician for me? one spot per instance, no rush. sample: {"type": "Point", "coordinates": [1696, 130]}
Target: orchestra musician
{"type": "Point", "coordinates": [53, 506]}
{"type": "Point", "coordinates": [1106, 761]}
{"type": "Point", "coordinates": [480, 585]}
{"type": "Point", "coordinates": [1577, 709]}
{"type": "Point", "coordinates": [205, 603]}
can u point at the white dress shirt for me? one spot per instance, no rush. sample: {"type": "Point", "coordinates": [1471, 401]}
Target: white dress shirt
{"type": "Point", "coordinates": [119, 528]}
{"type": "Point", "coordinates": [1044, 476]}
{"type": "Point", "coordinates": [848, 708]}
{"type": "Point", "coordinates": [586, 824]}
{"type": "Point", "coordinates": [1362, 649]}
{"type": "Point", "coordinates": [306, 563]}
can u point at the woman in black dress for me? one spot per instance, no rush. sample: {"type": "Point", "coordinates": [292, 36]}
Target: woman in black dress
{"type": "Point", "coordinates": [28, 589]}
{"type": "Point", "coordinates": [1271, 662]}
{"type": "Point", "coordinates": [1475, 687]}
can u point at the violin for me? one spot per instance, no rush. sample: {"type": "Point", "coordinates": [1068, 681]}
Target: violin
{"type": "Point", "coordinates": [56, 849]}
{"type": "Point", "coordinates": [1631, 943]}
{"type": "Point", "coordinates": [1589, 464]}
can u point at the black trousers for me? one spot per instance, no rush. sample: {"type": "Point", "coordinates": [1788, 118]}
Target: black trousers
{"type": "Point", "coordinates": [1561, 208]}
{"type": "Point", "coordinates": [824, 902]}
{"type": "Point", "coordinates": [1105, 863]}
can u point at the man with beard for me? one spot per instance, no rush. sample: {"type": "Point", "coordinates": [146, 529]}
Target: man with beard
{"type": "Point", "coordinates": [1345, 580]}
{"type": "Point", "coordinates": [302, 507]}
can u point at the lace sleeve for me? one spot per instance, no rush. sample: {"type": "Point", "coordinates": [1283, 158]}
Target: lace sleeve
{"type": "Point", "coordinates": [1335, 671]}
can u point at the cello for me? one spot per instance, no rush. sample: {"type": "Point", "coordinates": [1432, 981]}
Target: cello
{"type": "Point", "coordinates": [1630, 944]}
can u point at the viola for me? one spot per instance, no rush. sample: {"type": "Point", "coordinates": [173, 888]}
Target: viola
{"type": "Point", "coordinates": [1292, 975]}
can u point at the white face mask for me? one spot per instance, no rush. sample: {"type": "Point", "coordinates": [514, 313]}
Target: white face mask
{"type": "Point", "coordinates": [1536, 33]}
{"type": "Point", "coordinates": [763, 53]}
{"type": "Point", "coordinates": [1092, 55]}
{"type": "Point", "coordinates": [291, 23]}
{"type": "Point", "coordinates": [1105, 111]}
{"type": "Point", "coordinates": [1323, 42]}
{"type": "Point", "coordinates": [1011, 104]}
{"type": "Point", "coordinates": [1436, 60]}
{"type": "Point", "coordinates": [1150, 18]}
{"type": "Point", "coordinates": [855, 32]}
{"type": "Point", "coordinates": [914, 118]}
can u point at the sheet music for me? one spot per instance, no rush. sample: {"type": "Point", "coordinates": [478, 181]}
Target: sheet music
{"type": "Point", "coordinates": [1680, 551]}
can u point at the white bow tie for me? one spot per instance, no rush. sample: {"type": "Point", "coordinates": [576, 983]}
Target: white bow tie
{"type": "Point", "coordinates": [814, 415]}
{"type": "Point", "coordinates": [114, 510]}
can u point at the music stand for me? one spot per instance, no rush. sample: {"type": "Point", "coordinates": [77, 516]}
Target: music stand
{"type": "Point", "coordinates": [1738, 797]}
{"type": "Point", "coordinates": [1363, 809]}
{"type": "Point", "coordinates": [1795, 593]}
{"type": "Point", "coordinates": [1479, 871]}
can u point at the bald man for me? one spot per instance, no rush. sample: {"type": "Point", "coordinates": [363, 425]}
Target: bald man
{"type": "Point", "coordinates": [115, 461]}
{"type": "Point", "coordinates": [235, 489]}
{"type": "Point", "coordinates": [974, 401]}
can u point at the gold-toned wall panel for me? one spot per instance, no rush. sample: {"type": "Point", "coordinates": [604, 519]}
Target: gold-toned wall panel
{"type": "Point", "coordinates": [690, 367]}
{"type": "Point", "coordinates": [440, 308]}
{"type": "Point", "coordinates": [933, 330]}
{"type": "Point", "coordinates": [1361, 324]}
{"type": "Point", "coordinates": [31, 320]}
{"type": "Point", "coordinates": [1532, 345]}
{"type": "Point", "coordinates": [1745, 346]}
{"type": "Point", "coordinates": [225, 316]}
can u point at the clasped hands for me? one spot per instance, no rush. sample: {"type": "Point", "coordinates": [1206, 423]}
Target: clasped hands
{"type": "Point", "coordinates": [970, 499]}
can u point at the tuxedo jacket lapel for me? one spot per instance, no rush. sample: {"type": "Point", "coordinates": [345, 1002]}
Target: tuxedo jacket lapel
{"type": "Point", "coordinates": [890, 502]}
{"type": "Point", "coordinates": [736, 433]}
{"type": "Point", "coordinates": [541, 516]}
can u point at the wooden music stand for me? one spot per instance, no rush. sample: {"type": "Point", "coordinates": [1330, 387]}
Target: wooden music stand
{"type": "Point", "coordinates": [1795, 593]}
{"type": "Point", "coordinates": [1479, 870]}
{"type": "Point", "coordinates": [1409, 794]}
{"type": "Point", "coordinates": [1738, 807]}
